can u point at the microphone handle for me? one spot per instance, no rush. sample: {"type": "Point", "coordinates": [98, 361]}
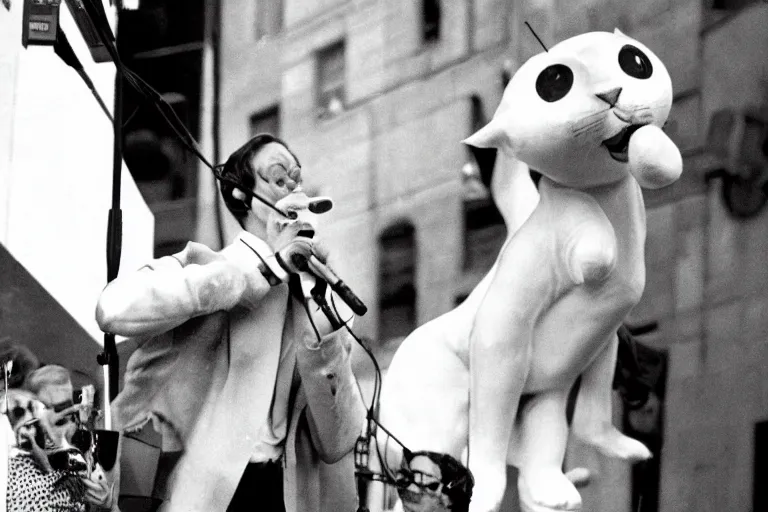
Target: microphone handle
{"type": "Point", "coordinates": [337, 285]}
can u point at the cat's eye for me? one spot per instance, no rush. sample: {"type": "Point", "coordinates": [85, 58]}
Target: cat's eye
{"type": "Point", "coordinates": [554, 82]}
{"type": "Point", "coordinates": [634, 62]}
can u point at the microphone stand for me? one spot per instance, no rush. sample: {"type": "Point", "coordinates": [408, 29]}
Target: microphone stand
{"type": "Point", "coordinates": [109, 358]}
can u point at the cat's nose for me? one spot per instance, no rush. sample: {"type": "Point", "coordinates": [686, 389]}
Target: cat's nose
{"type": "Point", "coordinates": [610, 97]}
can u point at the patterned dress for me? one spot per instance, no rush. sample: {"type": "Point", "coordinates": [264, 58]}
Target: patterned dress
{"type": "Point", "coordinates": [32, 490]}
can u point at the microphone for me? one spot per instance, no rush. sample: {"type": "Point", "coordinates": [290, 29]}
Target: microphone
{"type": "Point", "coordinates": [321, 270]}
{"type": "Point", "coordinates": [298, 256]}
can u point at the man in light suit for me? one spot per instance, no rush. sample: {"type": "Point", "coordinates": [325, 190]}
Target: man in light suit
{"type": "Point", "coordinates": [253, 389]}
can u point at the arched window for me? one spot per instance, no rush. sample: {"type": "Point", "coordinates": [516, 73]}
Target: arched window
{"type": "Point", "coordinates": [397, 290]}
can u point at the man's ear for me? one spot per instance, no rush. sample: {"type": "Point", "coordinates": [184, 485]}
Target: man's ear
{"type": "Point", "coordinates": [241, 196]}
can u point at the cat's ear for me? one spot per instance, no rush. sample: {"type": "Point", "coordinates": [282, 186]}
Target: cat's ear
{"type": "Point", "coordinates": [618, 32]}
{"type": "Point", "coordinates": [491, 135]}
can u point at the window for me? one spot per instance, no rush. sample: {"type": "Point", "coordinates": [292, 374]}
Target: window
{"type": "Point", "coordinates": [266, 121]}
{"type": "Point", "coordinates": [484, 234]}
{"type": "Point", "coordinates": [507, 70]}
{"type": "Point", "coordinates": [330, 79]}
{"type": "Point", "coordinates": [430, 20]}
{"type": "Point", "coordinates": [169, 247]}
{"type": "Point", "coordinates": [754, 141]}
{"type": "Point", "coordinates": [716, 10]}
{"type": "Point", "coordinates": [485, 158]}
{"type": "Point", "coordinates": [397, 293]}
{"type": "Point", "coordinates": [728, 5]}
{"type": "Point", "coordinates": [759, 489]}
{"type": "Point", "coordinates": [460, 298]}
{"type": "Point", "coordinates": [269, 17]}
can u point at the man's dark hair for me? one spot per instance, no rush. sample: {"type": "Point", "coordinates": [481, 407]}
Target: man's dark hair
{"type": "Point", "coordinates": [238, 169]}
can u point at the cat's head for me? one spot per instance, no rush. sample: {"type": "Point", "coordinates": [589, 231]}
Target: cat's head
{"type": "Point", "coordinates": [587, 112]}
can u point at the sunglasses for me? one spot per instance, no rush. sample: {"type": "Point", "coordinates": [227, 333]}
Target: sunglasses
{"type": "Point", "coordinates": [421, 479]}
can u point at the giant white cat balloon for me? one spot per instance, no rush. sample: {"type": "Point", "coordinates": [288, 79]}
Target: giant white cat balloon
{"type": "Point", "coordinates": [490, 379]}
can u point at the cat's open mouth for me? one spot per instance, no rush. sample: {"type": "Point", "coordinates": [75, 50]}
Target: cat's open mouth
{"type": "Point", "coordinates": [618, 144]}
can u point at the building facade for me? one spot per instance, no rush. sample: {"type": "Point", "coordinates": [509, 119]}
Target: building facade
{"type": "Point", "coordinates": [375, 96]}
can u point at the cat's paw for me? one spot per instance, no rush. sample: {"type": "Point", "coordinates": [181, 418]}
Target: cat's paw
{"type": "Point", "coordinates": [547, 491]}
{"type": "Point", "coordinates": [613, 443]}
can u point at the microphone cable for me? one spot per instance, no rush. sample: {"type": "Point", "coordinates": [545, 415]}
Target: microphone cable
{"type": "Point", "coordinates": [372, 412]}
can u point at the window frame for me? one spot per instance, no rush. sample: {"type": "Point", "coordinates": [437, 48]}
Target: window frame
{"type": "Point", "coordinates": [272, 112]}
{"type": "Point", "coordinates": [337, 86]}
{"type": "Point", "coordinates": [431, 21]}
{"type": "Point", "coordinates": [275, 18]}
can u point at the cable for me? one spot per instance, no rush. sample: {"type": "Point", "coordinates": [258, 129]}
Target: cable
{"type": "Point", "coordinates": [150, 93]}
{"type": "Point", "coordinates": [185, 137]}
{"type": "Point", "coordinates": [371, 415]}
{"type": "Point", "coordinates": [64, 50]}
{"type": "Point", "coordinates": [108, 358]}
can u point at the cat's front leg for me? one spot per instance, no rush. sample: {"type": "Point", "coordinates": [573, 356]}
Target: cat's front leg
{"type": "Point", "coordinates": [500, 357]}
{"type": "Point", "coordinates": [542, 440]}
{"type": "Point", "coordinates": [593, 412]}
{"type": "Point", "coordinates": [494, 398]}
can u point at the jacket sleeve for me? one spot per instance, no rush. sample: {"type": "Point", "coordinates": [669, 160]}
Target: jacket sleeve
{"type": "Point", "coordinates": [173, 289]}
{"type": "Point", "coordinates": [335, 410]}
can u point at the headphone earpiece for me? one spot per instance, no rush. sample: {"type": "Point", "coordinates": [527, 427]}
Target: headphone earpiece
{"type": "Point", "coordinates": [241, 196]}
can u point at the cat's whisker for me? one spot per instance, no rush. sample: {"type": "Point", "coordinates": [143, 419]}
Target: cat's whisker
{"type": "Point", "coordinates": [586, 130]}
{"type": "Point", "coordinates": [588, 121]}
{"type": "Point", "coordinates": [588, 127]}
{"type": "Point", "coordinates": [585, 123]}
{"type": "Point", "coordinates": [587, 117]}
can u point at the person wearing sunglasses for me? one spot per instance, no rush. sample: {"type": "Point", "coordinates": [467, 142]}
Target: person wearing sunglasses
{"type": "Point", "coordinates": [433, 482]}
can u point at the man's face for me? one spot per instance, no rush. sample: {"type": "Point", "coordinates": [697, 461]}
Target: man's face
{"type": "Point", "coordinates": [277, 174]}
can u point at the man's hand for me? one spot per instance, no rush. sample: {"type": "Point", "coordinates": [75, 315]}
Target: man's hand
{"type": "Point", "coordinates": [294, 255]}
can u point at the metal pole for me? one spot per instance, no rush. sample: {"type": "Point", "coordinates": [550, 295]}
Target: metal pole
{"type": "Point", "coordinates": [109, 358]}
